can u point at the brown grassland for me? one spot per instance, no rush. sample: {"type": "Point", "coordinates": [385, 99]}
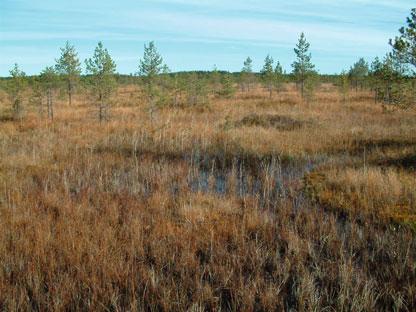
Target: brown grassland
{"type": "Point", "coordinates": [248, 204]}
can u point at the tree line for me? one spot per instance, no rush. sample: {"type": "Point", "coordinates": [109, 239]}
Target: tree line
{"type": "Point", "coordinates": [160, 86]}
{"type": "Point", "coordinates": [391, 79]}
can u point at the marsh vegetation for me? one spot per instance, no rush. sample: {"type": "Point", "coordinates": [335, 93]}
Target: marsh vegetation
{"type": "Point", "coordinates": [208, 190]}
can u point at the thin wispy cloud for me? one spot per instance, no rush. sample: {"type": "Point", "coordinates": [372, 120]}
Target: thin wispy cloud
{"type": "Point", "coordinates": [225, 31]}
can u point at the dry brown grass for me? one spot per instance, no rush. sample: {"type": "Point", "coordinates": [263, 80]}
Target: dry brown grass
{"type": "Point", "coordinates": [109, 217]}
{"type": "Point", "coordinates": [383, 194]}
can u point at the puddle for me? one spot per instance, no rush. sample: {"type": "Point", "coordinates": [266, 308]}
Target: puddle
{"type": "Point", "coordinates": [270, 180]}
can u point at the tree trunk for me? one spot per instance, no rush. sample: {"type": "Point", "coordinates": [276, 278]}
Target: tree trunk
{"type": "Point", "coordinates": [151, 107]}
{"type": "Point", "coordinates": [175, 99]}
{"type": "Point", "coordinates": [49, 105]}
{"type": "Point", "coordinates": [16, 107]}
{"type": "Point", "coordinates": [70, 92]}
{"type": "Point", "coordinates": [41, 107]}
{"type": "Point", "coordinates": [302, 88]}
{"type": "Point", "coordinates": [388, 97]}
{"type": "Point", "coordinates": [101, 107]}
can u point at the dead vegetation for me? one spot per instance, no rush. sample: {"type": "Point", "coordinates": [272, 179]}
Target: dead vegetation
{"type": "Point", "coordinates": [156, 215]}
{"type": "Point", "coordinates": [382, 195]}
{"type": "Point", "coordinates": [278, 122]}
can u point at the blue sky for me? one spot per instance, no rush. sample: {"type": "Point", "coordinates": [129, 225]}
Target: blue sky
{"type": "Point", "coordinates": [196, 34]}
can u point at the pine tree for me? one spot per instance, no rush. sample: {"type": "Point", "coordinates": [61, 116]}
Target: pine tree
{"type": "Point", "coordinates": [149, 68]}
{"type": "Point", "coordinates": [37, 93]}
{"type": "Point", "coordinates": [166, 85]}
{"type": "Point", "coordinates": [404, 45]}
{"type": "Point", "coordinates": [248, 65]}
{"type": "Point", "coordinates": [358, 73]}
{"type": "Point", "coordinates": [404, 52]}
{"type": "Point", "coordinates": [247, 74]}
{"type": "Point", "coordinates": [388, 75]}
{"type": "Point", "coordinates": [227, 86]}
{"type": "Point", "coordinates": [215, 79]}
{"type": "Point", "coordinates": [278, 77]}
{"type": "Point", "coordinates": [69, 67]}
{"type": "Point", "coordinates": [196, 90]}
{"type": "Point", "coordinates": [375, 81]}
{"type": "Point", "coordinates": [344, 86]}
{"type": "Point", "coordinates": [310, 85]}
{"type": "Point", "coordinates": [49, 83]}
{"type": "Point", "coordinates": [267, 74]}
{"type": "Point", "coordinates": [178, 86]}
{"type": "Point", "coordinates": [302, 67]}
{"type": "Point", "coordinates": [102, 68]}
{"type": "Point", "coordinates": [16, 87]}
{"type": "Point", "coordinates": [151, 65]}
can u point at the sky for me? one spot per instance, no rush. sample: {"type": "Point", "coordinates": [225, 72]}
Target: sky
{"type": "Point", "coordinates": [199, 34]}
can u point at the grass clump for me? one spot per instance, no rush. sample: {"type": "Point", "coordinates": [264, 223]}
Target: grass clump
{"type": "Point", "coordinates": [379, 194]}
{"type": "Point", "coordinates": [283, 123]}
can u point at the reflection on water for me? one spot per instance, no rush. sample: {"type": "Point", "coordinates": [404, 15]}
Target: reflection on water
{"type": "Point", "coordinates": [271, 180]}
